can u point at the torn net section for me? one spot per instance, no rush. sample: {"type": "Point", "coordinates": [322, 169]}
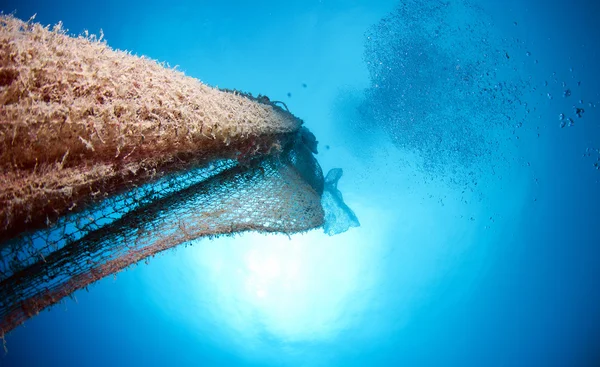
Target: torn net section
{"type": "Point", "coordinates": [277, 193]}
{"type": "Point", "coordinates": [338, 216]}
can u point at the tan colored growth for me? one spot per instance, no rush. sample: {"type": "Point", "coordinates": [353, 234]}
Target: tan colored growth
{"type": "Point", "coordinates": [80, 121]}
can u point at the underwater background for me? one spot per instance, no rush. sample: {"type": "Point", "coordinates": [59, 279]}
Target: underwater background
{"type": "Point", "coordinates": [469, 136]}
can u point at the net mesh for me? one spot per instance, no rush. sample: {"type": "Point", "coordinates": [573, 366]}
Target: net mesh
{"type": "Point", "coordinates": [157, 160]}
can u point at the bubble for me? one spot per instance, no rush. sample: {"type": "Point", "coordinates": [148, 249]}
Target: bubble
{"type": "Point", "coordinates": [567, 93]}
{"type": "Point", "coordinates": [571, 122]}
{"type": "Point", "coordinates": [561, 117]}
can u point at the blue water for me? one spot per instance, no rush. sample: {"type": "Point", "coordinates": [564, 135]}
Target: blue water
{"type": "Point", "coordinates": [481, 248]}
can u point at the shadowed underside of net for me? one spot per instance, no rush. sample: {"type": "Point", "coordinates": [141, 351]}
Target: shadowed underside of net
{"type": "Point", "coordinates": [108, 158]}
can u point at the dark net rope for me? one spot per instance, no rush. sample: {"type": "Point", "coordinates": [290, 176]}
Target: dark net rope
{"type": "Point", "coordinates": [27, 248]}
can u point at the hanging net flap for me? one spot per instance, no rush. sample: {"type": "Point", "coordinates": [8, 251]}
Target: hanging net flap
{"type": "Point", "coordinates": [338, 216]}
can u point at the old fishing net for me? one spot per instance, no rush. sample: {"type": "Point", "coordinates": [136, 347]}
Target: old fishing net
{"type": "Point", "coordinates": [107, 158]}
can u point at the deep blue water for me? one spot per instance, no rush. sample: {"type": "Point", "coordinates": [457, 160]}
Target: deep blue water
{"type": "Point", "coordinates": [479, 242]}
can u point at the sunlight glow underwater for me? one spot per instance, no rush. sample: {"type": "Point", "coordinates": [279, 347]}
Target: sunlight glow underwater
{"type": "Point", "coordinates": [425, 267]}
{"type": "Point", "coordinates": [253, 289]}
{"type": "Point", "coordinates": [290, 289]}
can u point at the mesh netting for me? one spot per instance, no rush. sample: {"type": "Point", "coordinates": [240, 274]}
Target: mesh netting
{"type": "Point", "coordinates": [158, 160]}
{"type": "Point", "coordinates": [267, 195]}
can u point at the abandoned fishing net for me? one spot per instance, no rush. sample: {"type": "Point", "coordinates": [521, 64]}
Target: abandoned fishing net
{"type": "Point", "coordinates": [107, 158]}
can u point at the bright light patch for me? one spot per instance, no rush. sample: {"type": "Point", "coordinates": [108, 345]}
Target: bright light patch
{"type": "Point", "coordinates": [252, 292]}
{"type": "Point", "coordinates": [296, 289]}
{"type": "Point", "coordinates": [310, 287]}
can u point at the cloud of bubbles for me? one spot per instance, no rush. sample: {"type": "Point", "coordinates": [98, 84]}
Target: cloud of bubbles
{"type": "Point", "coordinates": [442, 86]}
